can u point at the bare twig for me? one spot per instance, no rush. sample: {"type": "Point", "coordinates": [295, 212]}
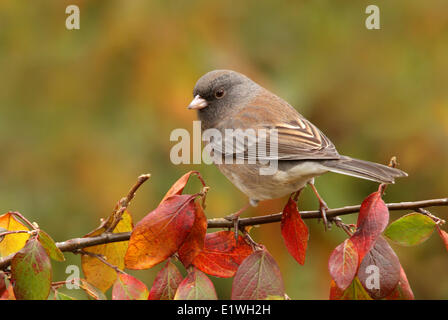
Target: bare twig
{"type": "Point", "coordinates": [111, 222]}
{"type": "Point", "coordinates": [124, 202]}
{"type": "Point", "coordinates": [73, 245]}
{"type": "Point", "coordinates": [21, 217]}
{"type": "Point", "coordinates": [429, 214]}
{"type": "Point", "coordinates": [2, 234]}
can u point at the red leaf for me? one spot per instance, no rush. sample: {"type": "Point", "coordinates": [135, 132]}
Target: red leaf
{"type": "Point", "coordinates": [403, 290]}
{"type": "Point", "coordinates": [222, 254]}
{"type": "Point", "coordinates": [294, 231]}
{"type": "Point", "coordinates": [126, 287]}
{"type": "Point", "coordinates": [196, 286]}
{"type": "Point", "coordinates": [379, 271]}
{"type": "Point", "coordinates": [372, 220]}
{"type": "Point", "coordinates": [194, 243]}
{"type": "Point", "coordinates": [2, 283]}
{"type": "Point", "coordinates": [160, 234]}
{"type": "Point", "coordinates": [343, 264]}
{"type": "Point", "coordinates": [258, 278]}
{"type": "Point", "coordinates": [444, 236]}
{"type": "Point", "coordinates": [179, 185]}
{"type": "Point", "coordinates": [166, 283]}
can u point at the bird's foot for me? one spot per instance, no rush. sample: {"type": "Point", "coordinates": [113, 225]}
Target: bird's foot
{"type": "Point", "coordinates": [322, 208]}
{"type": "Point", "coordinates": [323, 211]}
{"type": "Point", "coordinates": [235, 219]}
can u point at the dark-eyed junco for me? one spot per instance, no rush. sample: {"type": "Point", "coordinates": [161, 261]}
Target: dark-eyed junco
{"type": "Point", "coordinates": [227, 99]}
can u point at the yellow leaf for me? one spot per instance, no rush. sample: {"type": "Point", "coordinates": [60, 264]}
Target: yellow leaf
{"type": "Point", "coordinates": [96, 272]}
{"type": "Point", "coordinates": [12, 242]}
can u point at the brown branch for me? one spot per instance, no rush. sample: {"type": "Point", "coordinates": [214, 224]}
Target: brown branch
{"type": "Point", "coordinates": [73, 245]}
{"type": "Point", "coordinates": [331, 213]}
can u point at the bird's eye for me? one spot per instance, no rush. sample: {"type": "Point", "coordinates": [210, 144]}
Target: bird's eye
{"type": "Point", "coordinates": [219, 93]}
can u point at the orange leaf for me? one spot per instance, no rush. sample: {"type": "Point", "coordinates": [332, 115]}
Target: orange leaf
{"type": "Point", "coordinates": [179, 185]}
{"type": "Point", "coordinates": [444, 236]}
{"type": "Point", "coordinates": [160, 234]}
{"type": "Point", "coordinates": [194, 243]}
{"type": "Point", "coordinates": [222, 254]}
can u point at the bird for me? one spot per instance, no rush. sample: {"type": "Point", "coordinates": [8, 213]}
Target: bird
{"type": "Point", "coordinates": [228, 100]}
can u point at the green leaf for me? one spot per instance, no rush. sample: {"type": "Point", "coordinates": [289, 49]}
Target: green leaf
{"type": "Point", "coordinates": [31, 272]}
{"type": "Point", "coordinates": [355, 291]}
{"type": "Point", "coordinates": [50, 246]}
{"type": "Point", "coordinates": [411, 229]}
{"type": "Point", "coordinates": [62, 296]}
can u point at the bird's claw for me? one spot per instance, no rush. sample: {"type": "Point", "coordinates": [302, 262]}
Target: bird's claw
{"type": "Point", "coordinates": [235, 219]}
{"type": "Point", "coordinates": [323, 211]}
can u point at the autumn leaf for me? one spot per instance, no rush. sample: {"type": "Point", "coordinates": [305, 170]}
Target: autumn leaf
{"type": "Point", "coordinates": [62, 296]}
{"type": "Point", "coordinates": [2, 283]}
{"type": "Point", "coordinates": [12, 242]}
{"type": "Point", "coordinates": [8, 294]}
{"type": "Point", "coordinates": [411, 229]}
{"type": "Point", "coordinates": [444, 236]}
{"type": "Point", "coordinates": [166, 283]}
{"type": "Point", "coordinates": [31, 272]}
{"type": "Point", "coordinates": [196, 286]}
{"type": "Point", "coordinates": [257, 278]}
{"type": "Point", "coordinates": [379, 272]}
{"type": "Point", "coordinates": [50, 246]}
{"type": "Point", "coordinates": [160, 234]}
{"type": "Point", "coordinates": [92, 291]}
{"type": "Point", "coordinates": [178, 187]}
{"type": "Point", "coordinates": [127, 287]}
{"type": "Point", "coordinates": [194, 243]}
{"type": "Point", "coordinates": [354, 291]}
{"type": "Point", "coordinates": [343, 264]}
{"type": "Point", "coordinates": [222, 254]}
{"type": "Point", "coordinates": [294, 231]}
{"type": "Point", "coordinates": [372, 220]}
{"type": "Point", "coordinates": [96, 272]}
{"type": "Point", "coordinates": [403, 290]}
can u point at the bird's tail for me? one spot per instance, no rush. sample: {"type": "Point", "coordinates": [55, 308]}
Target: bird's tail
{"type": "Point", "coordinates": [364, 169]}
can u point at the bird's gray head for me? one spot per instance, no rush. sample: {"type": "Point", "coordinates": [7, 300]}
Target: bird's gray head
{"type": "Point", "coordinates": [218, 93]}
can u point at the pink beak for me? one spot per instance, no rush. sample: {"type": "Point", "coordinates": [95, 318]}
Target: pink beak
{"type": "Point", "coordinates": [197, 103]}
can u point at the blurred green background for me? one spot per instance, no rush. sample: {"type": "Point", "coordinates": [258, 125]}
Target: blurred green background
{"type": "Point", "coordinates": [84, 112]}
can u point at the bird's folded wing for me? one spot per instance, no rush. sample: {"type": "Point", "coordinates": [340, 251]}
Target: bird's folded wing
{"type": "Point", "coordinates": [288, 137]}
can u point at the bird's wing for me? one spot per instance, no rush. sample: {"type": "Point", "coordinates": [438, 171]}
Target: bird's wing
{"type": "Point", "coordinates": [258, 125]}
